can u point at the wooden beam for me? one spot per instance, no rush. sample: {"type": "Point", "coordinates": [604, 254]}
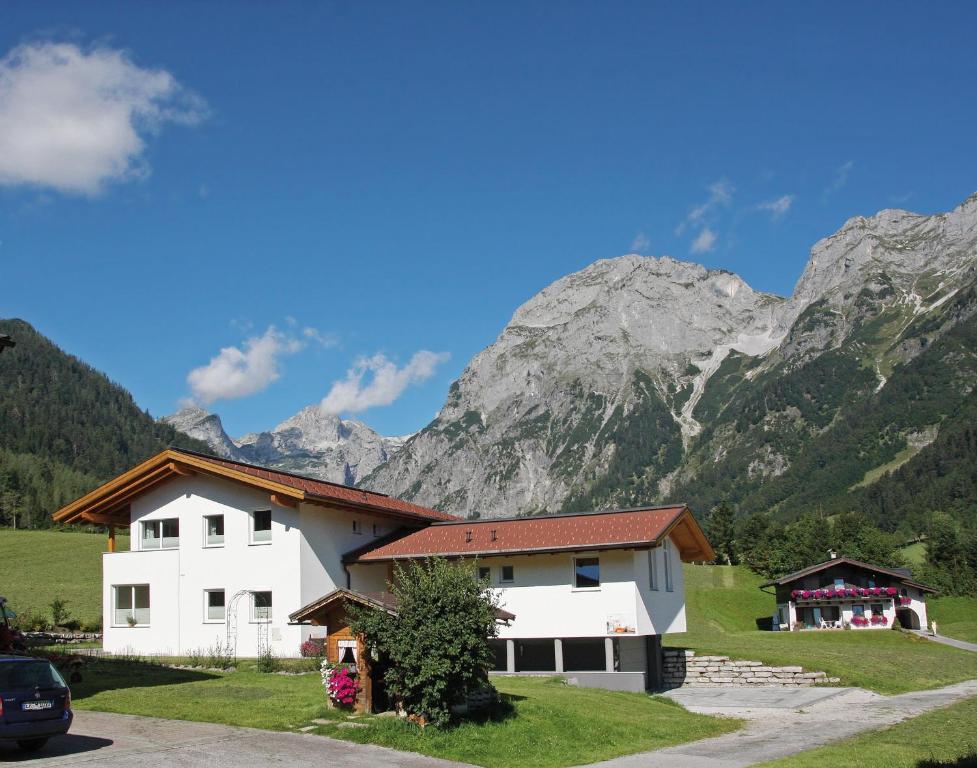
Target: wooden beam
{"type": "Point", "coordinates": [176, 469]}
{"type": "Point", "coordinates": [112, 538]}
{"type": "Point", "coordinates": [98, 519]}
{"type": "Point", "coordinates": [284, 501]}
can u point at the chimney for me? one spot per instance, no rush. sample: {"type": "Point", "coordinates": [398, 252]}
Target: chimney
{"type": "Point", "coordinates": [832, 555]}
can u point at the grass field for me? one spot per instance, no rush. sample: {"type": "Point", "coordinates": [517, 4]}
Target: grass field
{"type": "Point", "coordinates": [723, 604]}
{"type": "Point", "coordinates": [955, 617]}
{"type": "Point", "coordinates": [39, 566]}
{"type": "Point", "coordinates": [542, 722]}
{"type": "Point", "coordinates": [942, 737]}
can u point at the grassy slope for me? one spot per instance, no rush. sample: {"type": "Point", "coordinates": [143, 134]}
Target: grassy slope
{"type": "Point", "coordinates": [955, 617]}
{"type": "Point", "coordinates": [723, 604]}
{"type": "Point", "coordinates": [944, 736]}
{"type": "Point", "coordinates": [39, 566]}
{"type": "Point", "coordinates": [554, 724]}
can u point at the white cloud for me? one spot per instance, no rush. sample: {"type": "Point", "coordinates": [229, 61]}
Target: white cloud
{"type": "Point", "coordinates": [325, 340]}
{"type": "Point", "coordinates": [720, 195]}
{"type": "Point", "coordinates": [74, 120]}
{"type": "Point", "coordinates": [236, 372]}
{"type": "Point", "coordinates": [387, 381]}
{"type": "Point", "coordinates": [640, 243]}
{"type": "Point", "coordinates": [840, 178]}
{"type": "Point", "coordinates": [704, 241]}
{"type": "Point", "coordinates": [778, 207]}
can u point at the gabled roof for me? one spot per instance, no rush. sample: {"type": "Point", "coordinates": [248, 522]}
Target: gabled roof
{"type": "Point", "coordinates": [900, 574]}
{"type": "Point", "coordinates": [383, 601]}
{"type": "Point", "coordinates": [617, 529]}
{"type": "Point", "coordinates": [108, 504]}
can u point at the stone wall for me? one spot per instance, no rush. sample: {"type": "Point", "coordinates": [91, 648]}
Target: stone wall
{"type": "Point", "coordinates": [681, 667]}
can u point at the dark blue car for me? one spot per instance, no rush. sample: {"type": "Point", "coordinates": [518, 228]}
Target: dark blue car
{"type": "Point", "coordinates": [35, 702]}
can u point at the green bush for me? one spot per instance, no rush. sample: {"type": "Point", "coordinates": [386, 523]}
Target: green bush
{"type": "Point", "coordinates": [437, 644]}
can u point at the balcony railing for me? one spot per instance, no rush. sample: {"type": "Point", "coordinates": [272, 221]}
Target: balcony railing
{"type": "Point", "coordinates": [843, 594]}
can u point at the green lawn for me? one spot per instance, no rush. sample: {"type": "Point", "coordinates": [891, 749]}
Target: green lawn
{"type": "Point", "coordinates": [955, 617]}
{"type": "Point", "coordinates": [724, 603]}
{"type": "Point", "coordinates": [943, 737]}
{"type": "Point", "coordinates": [39, 566]}
{"type": "Point", "coordinates": [541, 722]}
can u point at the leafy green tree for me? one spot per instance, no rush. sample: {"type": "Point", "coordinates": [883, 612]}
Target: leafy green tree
{"type": "Point", "coordinates": [437, 645]}
{"type": "Point", "coordinates": [721, 532]}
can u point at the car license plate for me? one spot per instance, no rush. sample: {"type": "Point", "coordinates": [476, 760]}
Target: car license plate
{"type": "Point", "coordinates": [29, 705]}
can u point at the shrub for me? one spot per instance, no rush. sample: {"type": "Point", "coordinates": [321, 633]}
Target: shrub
{"type": "Point", "coordinates": [59, 612]}
{"type": "Point", "coordinates": [267, 661]}
{"type": "Point", "coordinates": [221, 655]}
{"type": "Point", "coordinates": [437, 644]}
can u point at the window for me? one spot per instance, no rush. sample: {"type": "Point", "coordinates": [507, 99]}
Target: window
{"type": "Point", "coordinates": [261, 527]}
{"type": "Point", "coordinates": [858, 610]}
{"type": "Point", "coordinates": [877, 609]}
{"type": "Point", "coordinates": [214, 605]}
{"type": "Point", "coordinates": [346, 651]}
{"type": "Point", "coordinates": [357, 528]}
{"type": "Point", "coordinates": [160, 534]}
{"type": "Point", "coordinates": [376, 530]}
{"type": "Point", "coordinates": [508, 574]}
{"type": "Point", "coordinates": [586, 573]}
{"type": "Point", "coordinates": [131, 605]}
{"type": "Point", "coordinates": [262, 606]}
{"type": "Point", "coordinates": [839, 583]}
{"type": "Point", "coordinates": [653, 569]}
{"type": "Point", "coordinates": [668, 565]}
{"type": "Point", "coordinates": [484, 573]}
{"type": "Point", "coordinates": [214, 531]}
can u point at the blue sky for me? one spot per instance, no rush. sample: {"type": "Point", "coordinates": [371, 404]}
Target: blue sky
{"type": "Point", "coordinates": [320, 188]}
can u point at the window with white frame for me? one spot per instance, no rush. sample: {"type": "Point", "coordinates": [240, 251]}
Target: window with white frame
{"type": "Point", "coordinates": [586, 573]}
{"type": "Point", "coordinates": [131, 605]}
{"type": "Point", "coordinates": [160, 534]}
{"type": "Point", "coordinates": [667, 557]}
{"type": "Point", "coordinates": [214, 609]}
{"type": "Point", "coordinates": [653, 568]}
{"type": "Point", "coordinates": [261, 606]}
{"type": "Point", "coordinates": [214, 530]}
{"type": "Point", "coordinates": [508, 574]}
{"type": "Point", "coordinates": [261, 526]}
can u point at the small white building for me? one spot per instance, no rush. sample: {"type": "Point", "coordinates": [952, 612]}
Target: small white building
{"type": "Point", "coordinates": [846, 593]}
{"type": "Point", "coordinates": [229, 554]}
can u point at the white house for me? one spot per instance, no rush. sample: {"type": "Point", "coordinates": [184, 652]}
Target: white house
{"type": "Point", "coordinates": [225, 553]}
{"type": "Point", "coordinates": [842, 592]}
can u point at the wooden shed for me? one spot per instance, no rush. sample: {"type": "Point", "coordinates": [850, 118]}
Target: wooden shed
{"type": "Point", "coordinates": [341, 646]}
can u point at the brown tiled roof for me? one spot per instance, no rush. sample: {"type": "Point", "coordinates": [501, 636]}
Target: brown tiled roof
{"type": "Point", "coordinates": [108, 504]}
{"type": "Point", "coordinates": [617, 529]}
{"type": "Point", "coordinates": [321, 490]}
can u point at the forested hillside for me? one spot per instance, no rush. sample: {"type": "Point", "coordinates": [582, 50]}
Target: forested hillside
{"type": "Point", "coordinates": [64, 428]}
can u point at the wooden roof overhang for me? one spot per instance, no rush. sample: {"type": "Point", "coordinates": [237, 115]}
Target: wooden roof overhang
{"type": "Point", "coordinates": [109, 503]}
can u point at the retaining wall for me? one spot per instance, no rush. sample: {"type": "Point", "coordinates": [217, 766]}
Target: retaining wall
{"type": "Point", "coordinates": [682, 667]}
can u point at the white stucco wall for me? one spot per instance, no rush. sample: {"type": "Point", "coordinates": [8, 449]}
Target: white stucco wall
{"type": "Point", "coordinates": [302, 563]}
{"type": "Point", "coordinates": [547, 605]}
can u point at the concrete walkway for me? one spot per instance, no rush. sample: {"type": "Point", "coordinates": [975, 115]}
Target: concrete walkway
{"type": "Point", "coordinates": [961, 644]}
{"type": "Point", "coordinates": [774, 731]}
{"type": "Point", "coordinates": [105, 740]}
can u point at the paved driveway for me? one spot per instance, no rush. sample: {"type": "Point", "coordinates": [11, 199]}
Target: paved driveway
{"type": "Point", "coordinates": [124, 741]}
